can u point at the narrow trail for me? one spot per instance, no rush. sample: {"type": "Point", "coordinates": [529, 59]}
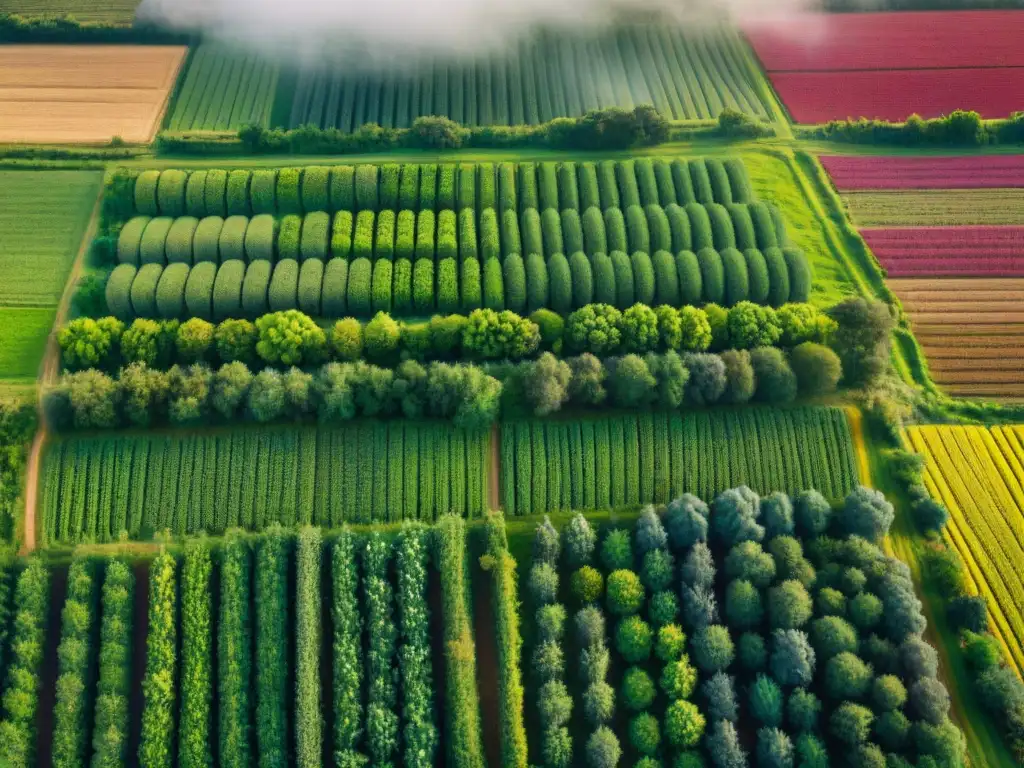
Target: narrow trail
{"type": "Point", "coordinates": [47, 374]}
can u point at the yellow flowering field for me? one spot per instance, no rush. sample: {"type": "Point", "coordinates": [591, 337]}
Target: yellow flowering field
{"type": "Point", "coordinates": [978, 473]}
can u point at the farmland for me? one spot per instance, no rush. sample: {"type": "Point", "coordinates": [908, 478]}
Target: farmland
{"type": "Point", "coordinates": [95, 487]}
{"type": "Point", "coordinates": [224, 90]}
{"type": "Point", "coordinates": [84, 94]}
{"type": "Point", "coordinates": [525, 236]}
{"type": "Point", "coordinates": [833, 67]}
{"type": "Point", "coordinates": [657, 457]}
{"type": "Point", "coordinates": [936, 207]}
{"type": "Point", "coordinates": [686, 75]}
{"type": "Point", "coordinates": [865, 172]}
{"type": "Point", "coordinates": [107, 11]}
{"type": "Point", "coordinates": [43, 217]}
{"type": "Point", "coordinates": [977, 472]}
{"type": "Point", "coordinates": [971, 330]}
{"type": "Point", "coordinates": [949, 251]}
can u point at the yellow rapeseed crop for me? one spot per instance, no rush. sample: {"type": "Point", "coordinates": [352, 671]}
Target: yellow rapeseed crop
{"type": "Point", "coordinates": [978, 474]}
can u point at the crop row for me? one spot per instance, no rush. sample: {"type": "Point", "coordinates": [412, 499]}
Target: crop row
{"type": "Point", "coordinates": [686, 73]}
{"type": "Point", "coordinates": [654, 457]}
{"type": "Point", "coordinates": [949, 251]}
{"type": "Point", "coordinates": [431, 187]}
{"type": "Point", "coordinates": [362, 288]}
{"type": "Point", "coordinates": [859, 172]}
{"type": "Point", "coordinates": [977, 474]}
{"type": "Point", "coordinates": [374, 472]}
{"type": "Point", "coordinates": [224, 90]}
{"type": "Point", "coordinates": [447, 234]}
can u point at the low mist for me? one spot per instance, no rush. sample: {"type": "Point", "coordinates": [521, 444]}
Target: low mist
{"type": "Point", "coordinates": [401, 31]}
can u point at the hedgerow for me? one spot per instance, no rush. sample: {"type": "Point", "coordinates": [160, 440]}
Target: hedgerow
{"type": "Point", "coordinates": [255, 287]}
{"type": "Point", "coordinates": [74, 681]}
{"type": "Point", "coordinates": [447, 244]}
{"type": "Point", "coordinates": [701, 181]}
{"type": "Point", "coordinates": [118, 291]}
{"type": "Point", "coordinates": [408, 187]}
{"type": "Point", "coordinates": [608, 187]}
{"type": "Point", "coordinates": [446, 187]}
{"type": "Point", "coordinates": [262, 188]}
{"type": "Point", "coordinates": [589, 193]}
{"type": "Point", "coordinates": [463, 738]}
{"type": "Point", "coordinates": [712, 275]}
{"type": "Point", "coordinates": [605, 290]}
{"type": "Point", "coordinates": [259, 238]}
{"type": "Point", "coordinates": [288, 191]}
{"type": "Point", "coordinates": [665, 183]}
{"type": "Point", "coordinates": [143, 290]}
{"type": "Point", "coordinates": [425, 223]}
{"type": "Point", "coordinates": [289, 237]}
{"type": "Point", "coordinates": [405, 235]}
{"type": "Point", "coordinates": [366, 188]}
{"type": "Point", "coordinates": [170, 291]}
{"type": "Point", "coordinates": [110, 729]}
{"type": "Point", "coordinates": [625, 176]}
{"type": "Point", "coordinates": [216, 193]}
{"type": "Point", "coordinates": [231, 244]}
{"type": "Point", "coordinates": [341, 235]}
{"type": "Point", "coordinates": [624, 286]}
{"type": "Point", "coordinates": [362, 240]}
{"type": "Point", "coordinates": [718, 176]}
{"type": "Point", "coordinates": [178, 246]}
{"type": "Point", "coordinates": [778, 277]}
{"type": "Point", "coordinates": [159, 685]}
{"type": "Point", "coordinates": [154, 237]}
{"type": "Point", "coordinates": [234, 651]}
{"type": "Point", "coordinates": [315, 235]}
{"type": "Point", "coordinates": [284, 285]}
{"type": "Point", "coordinates": [194, 741]}
{"type": "Point", "coordinates": [308, 717]}
{"type": "Point", "coordinates": [145, 193]}
{"type": "Point", "coordinates": [594, 238]}
{"type": "Point", "coordinates": [666, 279]}
{"type": "Point", "coordinates": [347, 621]}
{"type": "Point", "coordinates": [311, 280]}
{"type": "Point", "coordinates": [423, 284]}
{"type": "Point", "coordinates": [467, 233]}
{"type": "Point", "coordinates": [447, 286]}
{"type": "Point", "coordinates": [380, 289]}
{"type": "Point", "coordinates": [581, 280]}
{"type": "Point", "coordinates": [531, 231]}
{"type": "Point", "coordinates": [722, 234]}
{"type": "Point", "coordinates": [195, 194]}
{"type": "Point", "coordinates": [428, 187]}
{"type": "Point", "coordinates": [615, 230]}
{"type": "Point", "coordinates": [129, 239]}
{"type": "Point", "coordinates": [469, 285]}
{"type": "Point", "coordinates": [638, 235]}
{"type": "Point", "coordinates": [206, 240]}
{"type": "Point", "coordinates": [511, 242]}
{"type": "Point", "coordinates": [360, 275]}
{"type": "Point", "coordinates": [401, 292]}
{"type": "Point", "coordinates": [271, 669]}
{"type": "Point", "coordinates": [237, 195]}
{"type": "Point", "coordinates": [737, 282]}
{"type": "Point", "coordinates": [647, 184]}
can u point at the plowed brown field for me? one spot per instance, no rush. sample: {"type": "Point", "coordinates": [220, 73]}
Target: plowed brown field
{"type": "Point", "coordinates": [972, 332]}
{"type": "Point", "coordinates": [84, 93]}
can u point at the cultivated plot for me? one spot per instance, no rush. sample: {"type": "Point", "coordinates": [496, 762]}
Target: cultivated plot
{"type": "Point", "coordinates": [977, 473]}
{"type": "Point", "coordinates": [936, 207]}
{"type": "Point", "coordinates": [857, 172]}
{"type": "Point", "coordinates": [971, 330]}
{"type": "Point", "coordinates": [25, 330]}
{"type": "Point", "coordinates": [43, 215]}
{"type": "Point", "coordinates": [889, 66]}
{"type": "Point", "coordinates": [106, 11]}
{"type": "Point", "coordinates": [949, 251]}
{"type": "Point", "coordinates": [685, 74]}
{"type": "Point", "coordinates": [84, 93]}
{"type": "Point", "coordinates": [224, 90]}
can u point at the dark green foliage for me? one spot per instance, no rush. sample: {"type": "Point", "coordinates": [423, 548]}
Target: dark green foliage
{"type": "Point", "coordinates": [515, 283]}
{"type": "Point", "coordinates": [255, 287]}
{"type": "Point", "coordinates": [743, 226]}
{"type": "Point", "coordinates": [737, 282]}
{"type": "Point", "coordinates": [624, 284]}
{"type": "Point", "coordinates": [701, 233]}
{"type": "Point", "coordinates": [288, 191]}
{"type": "Point", "coordinates": [595, 239]}
{"type": "Point", "coordinates": [170, 291]}
{"type": "Point", "coordinates": [712, 275]}
{"type": "Point", "coordinates": [799, 274]}
{"type": "Point", "coordinates": [722, 233]}
{"type": "Point", "coordinates": [537, 294]}
{"type": "Point", "coordinates": [615, 230]}
{"type": "Point", "coordinates": [643, 278]}
{"type": "Point", "coordinates": [637, 231]}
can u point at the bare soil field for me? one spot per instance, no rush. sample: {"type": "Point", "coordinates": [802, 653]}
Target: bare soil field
{"type": "Point", "coordinates": [85, 94]}
{"type": "Point", "coordinates": [972, 332]}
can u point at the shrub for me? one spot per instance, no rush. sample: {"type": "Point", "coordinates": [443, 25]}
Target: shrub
{"type": "Point", "coordinates": [261, 192]}
{"type": "Point", "coordinates": [447, 286]}
{"type": "Point", "coordinates": [284, 286]}
{"type": "Point", "coordinates": [789, 605]}
{"type": "Point", "coordinates": [288, 198]}
{"type": "Point", "coordinates": [543, 583]}
{"type": "Point", "coordinates": [624, 283]}
{"type": "Point", "coordinates": [554, 703]}
{"type": "Point", "coordinates": [493, 335]}
{"type": "Point", "coordinates": [643, 277]}
{"type": "Point", "coordinates": [254, 288]}
{"type": "Point", "coordinates": [380, 290]}
{"type": "Point", "coordinates": [587, 584]}
{"type": "Point", "coordinates": [237, 194]}
{"type": "Point", "coordinates": [595, 328]}
{"type": "Point", "coordinates": [776, 382]}
{"type": "Point", "coordinates": [289, 338]}
{"type": "Point", "coordinates": [712, 648]}
{"type": "Point", "coordinates": [817, 368]}
{"type": "Point", "coordinates": [850, 723]}
{"type": "Point", "coordinates": [678, 679]}
{"type": "Point", "coordinates": [559, 283]}
{"type": "Point", "coordinates": [589, 623]}
{"type": "Point", "coordinates": [625, 594]}
{"type": "Point", "coordinates": [750, 325]}
{"type": "Point", "coordinates": [630, 382]}
{"type": "Point", "coordinates": [639, 328]}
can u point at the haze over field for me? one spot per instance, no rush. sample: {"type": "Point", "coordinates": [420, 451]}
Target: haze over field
{"type": "Point", "coordinates": [399, 30]}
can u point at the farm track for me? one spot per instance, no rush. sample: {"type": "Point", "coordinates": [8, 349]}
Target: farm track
{"type": "Point", "coordinates": [47, 374]}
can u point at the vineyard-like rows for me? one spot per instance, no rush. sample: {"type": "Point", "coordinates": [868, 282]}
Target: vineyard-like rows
{"type": "Point", "coordinates": [971, 330]}
{"type": "Point", "coordinates": [274, 650]}
{"type": "Point", "coordinates": [978, 474]}
{"type": "Point", "coordinates": [936, 207]}
{"type": "Point", "coordinates": [96, 487]}
{"type": "Point", "coordinates": [416, 187]}
{"type": "Point", "coordinates": [224, 91]}
{"type": "Point", "coordinates": [654, 457]}
{"type": "Point", "coordinates": [687, 75]}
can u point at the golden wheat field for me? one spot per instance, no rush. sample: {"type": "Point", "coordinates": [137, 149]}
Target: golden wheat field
{"type": "Point", "coordinates": [978, 473]}
{"type": "Point", "coordinates": [84, 93]}
{"type": "Point", "coordinates": [971, 330]}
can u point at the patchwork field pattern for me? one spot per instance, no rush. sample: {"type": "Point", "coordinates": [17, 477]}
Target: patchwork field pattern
{"type": "Point", "coordinates": [655, 457]}
{"type": "Point", "coordinates": [978, 474]}
{"type": "Point", "coordinates": [864, 172]}
{"type": "Point", "coordinates": [95, 487]}
{"type": "Point", "coordinates": [224, 90]}
{"type": "Point", "coordinates": [107, 11]}
{"type": "Point", "coordinates": [84, 93]}
{"type": "Point", "coordinates": [971, 330]}
{"type": "Point", "coordinates": [686, 75]}
{"type": "Point", "coordinates": [43, 216]}
{"type": "Point", "coordinates": [891, 65]}
{"type": "Point", "coordinates": [936, 207]}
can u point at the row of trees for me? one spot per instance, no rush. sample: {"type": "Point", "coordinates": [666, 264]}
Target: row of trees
{"type": "Point", "coordinates": [293, 338]}
{"type": "Point", "coordinates": [75, 684]}
{"type": "Point", "coordinates": [110, 729]}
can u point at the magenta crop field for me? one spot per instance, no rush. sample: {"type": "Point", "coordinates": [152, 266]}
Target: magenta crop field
{"type": "Point", "coordinates": [949, 251]}
{"type": "Point", "coordinates": [850, 172]}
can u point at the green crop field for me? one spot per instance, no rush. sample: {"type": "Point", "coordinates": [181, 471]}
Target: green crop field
{"type": "Point", "coordinates": [936, 207]}
{"type": "Point", "coordinates": [108, 11]}
{"type": "Point", "coordinates": [610, 462]}
{"type": "Point", "coordinates": [686, 74]}
{"type": "Point", "coordinates": [96, 487]}
{"type": "Point", "coordinates": [224, 90]}
{"type": "Point", "coordinates": [24, 332]}
{"type": "Point", "coordinates": [43, 215]}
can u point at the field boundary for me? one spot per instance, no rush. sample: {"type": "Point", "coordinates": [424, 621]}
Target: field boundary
{"type": "Point", "coordinates": [48, 370]}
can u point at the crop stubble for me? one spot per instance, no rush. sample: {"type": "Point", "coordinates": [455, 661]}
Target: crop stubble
{"type": "Point", "coordinates": [84, 93]}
